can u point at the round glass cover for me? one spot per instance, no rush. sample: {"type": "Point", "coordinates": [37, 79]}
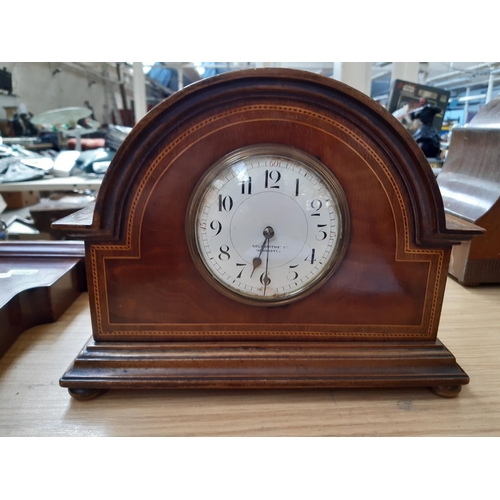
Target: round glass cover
{"type": "Point", "coordinates": [267, 224]}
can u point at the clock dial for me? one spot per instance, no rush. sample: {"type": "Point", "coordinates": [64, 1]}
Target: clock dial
{"type": "Point", "coordinates": [267, 224]}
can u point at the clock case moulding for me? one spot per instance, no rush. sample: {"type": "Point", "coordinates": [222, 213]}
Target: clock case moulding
{"type": "Point", "coordinates": [158, 323]}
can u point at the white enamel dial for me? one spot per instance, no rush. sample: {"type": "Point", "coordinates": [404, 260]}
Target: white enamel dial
{"type": "Point", "coordinates": [269, 224]}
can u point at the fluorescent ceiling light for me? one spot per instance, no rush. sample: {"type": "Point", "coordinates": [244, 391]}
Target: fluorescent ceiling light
{"type": "Point", "coordinates": [472, 97]}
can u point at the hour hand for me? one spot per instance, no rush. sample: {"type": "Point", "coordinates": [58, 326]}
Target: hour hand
{"type": "Point", "coordinates": [268, 234]}
{"type": "Point", "coordinates": [256, 263]}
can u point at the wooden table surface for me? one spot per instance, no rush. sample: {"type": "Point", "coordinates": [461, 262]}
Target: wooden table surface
{"type": "Point", "coordinates": [33, 404]}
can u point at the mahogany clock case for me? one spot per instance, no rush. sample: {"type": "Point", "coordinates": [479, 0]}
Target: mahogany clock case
{"type": "Point", "coordinates": [148, 298]}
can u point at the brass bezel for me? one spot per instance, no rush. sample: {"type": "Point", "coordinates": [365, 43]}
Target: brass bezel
{"type": "Point", "coordinates": [284, 152]}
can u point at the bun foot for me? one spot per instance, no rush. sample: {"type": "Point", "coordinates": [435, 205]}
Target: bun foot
{"type": "Point", "coordinates": [446, 391]}
{"type": "Point", "coordinates": [85, 394]}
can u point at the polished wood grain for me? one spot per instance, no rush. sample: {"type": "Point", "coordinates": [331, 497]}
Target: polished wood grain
{"type": "Point", "coordinates": [254, 365]}
{"type": "Point", "coordinates": [38, 281]}
{"type": "Point", "coordinates": [144, 287]}
{"type": "Point", "coordinates": [33, 404]}
{"type": "Point", "coordinates": [470, 184]}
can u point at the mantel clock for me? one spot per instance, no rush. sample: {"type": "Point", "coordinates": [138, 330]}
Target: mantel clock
{"type": "Point", "coordinates": [263, 229]}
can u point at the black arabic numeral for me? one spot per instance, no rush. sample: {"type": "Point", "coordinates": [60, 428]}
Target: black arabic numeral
{"type": "Point", "coordinates": [216, 226]}
{"type": "Point", "coordinates": [316, 206]}
{"type": "Point", "coordinates": [225, 203]}
{"type": "Point", "coordinates": [265, 281]}
{"type": "Point", "coordinates": [321, 233]}
{"type": "Point", "coordinates": [273, 176]}
{"type": "Point", "coordinates": [293, 275]}
{"type": "Point", "coordinates": [224, 253]}
{"type": "Point", "coordinates": [242, 268]}
{"type": "Point", "coordinates": [311, 256]}
{"type": "Point", "coordinates": [246, 186]}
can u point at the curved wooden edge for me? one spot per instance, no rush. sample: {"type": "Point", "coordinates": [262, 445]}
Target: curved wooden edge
{"type": "Point", "coordinates": [30, 300]}
{"type": "Point", "coordinates": [377, 122]}
{"type": "Point", "coordinates": [488, 115]}
{"type": "Point", "coordinates": [470, 178]}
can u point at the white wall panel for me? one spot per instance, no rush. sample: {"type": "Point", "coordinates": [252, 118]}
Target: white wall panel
{"type": "Point", "coordinates": [41, 90]}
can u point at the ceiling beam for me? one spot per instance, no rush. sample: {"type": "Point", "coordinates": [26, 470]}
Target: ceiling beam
{"type": "Point", "coordinates": [469, 70]}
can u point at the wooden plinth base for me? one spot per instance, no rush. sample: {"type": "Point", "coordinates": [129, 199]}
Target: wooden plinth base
{"type": "Point", "coordinates": [218, 365]}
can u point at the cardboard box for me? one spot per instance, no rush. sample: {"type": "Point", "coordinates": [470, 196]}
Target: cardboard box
{"type": "Point", "coordinates": [21, 199]}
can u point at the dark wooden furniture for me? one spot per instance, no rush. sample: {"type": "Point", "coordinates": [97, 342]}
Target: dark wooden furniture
{"type": "Point", "coordinates": [158, 323]}
{"type": "Point", "coordinates": [38, 282]}
{"type": "Point", "coordinates": [470, 186]}
{"type": "Point", "coordinates": [45, 213]}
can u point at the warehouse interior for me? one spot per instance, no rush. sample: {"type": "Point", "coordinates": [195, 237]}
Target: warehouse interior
{"type": "Point", "coordinates": [121, 93]}
{"type": "Point", "coordinates": [45, 86]}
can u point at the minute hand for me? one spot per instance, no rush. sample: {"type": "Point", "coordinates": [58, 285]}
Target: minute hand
{"type": "Point", "coordinates": [268, 233]}
{"type": "Point", "coordinates": [266, 277]}
{"type": "Point", "coordinates": [257, 261]}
